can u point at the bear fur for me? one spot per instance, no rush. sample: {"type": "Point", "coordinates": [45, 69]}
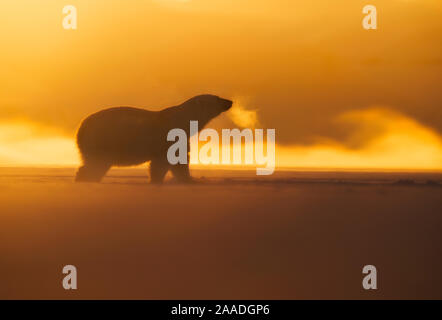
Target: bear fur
{"type": "Point", "coordinates": [126, 136]}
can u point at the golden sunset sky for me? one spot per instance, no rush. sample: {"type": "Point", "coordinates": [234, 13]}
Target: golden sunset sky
{"type": "Point", "coordinates": [338, 96]}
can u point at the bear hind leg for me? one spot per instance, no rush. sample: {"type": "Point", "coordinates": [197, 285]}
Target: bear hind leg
{"type": "Point", "coordinates": [158, 170]}
{"type": "Point", "coordinates": [92, 172]}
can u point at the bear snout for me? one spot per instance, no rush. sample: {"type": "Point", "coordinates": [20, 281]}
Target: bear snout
{"type": "Point", "coordinates": [227, 104]}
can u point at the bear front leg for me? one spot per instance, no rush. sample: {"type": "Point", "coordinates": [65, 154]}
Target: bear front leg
{"type": "Point", "coordinates": [158, 169]}
{"type": "Point", "coordinates": [181, 172]}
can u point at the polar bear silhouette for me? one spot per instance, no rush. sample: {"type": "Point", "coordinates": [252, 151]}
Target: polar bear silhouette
{"type": "Point", "coordinates": [126, 136]}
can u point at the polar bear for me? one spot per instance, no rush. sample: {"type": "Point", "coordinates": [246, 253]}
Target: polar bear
{"type": "Point", "coordinates": [126, 136]}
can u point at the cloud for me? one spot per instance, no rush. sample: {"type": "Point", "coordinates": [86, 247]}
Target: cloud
{"type": "Point", "coordinates": [30, 144]}
{"type": "Point", "coordinates": [387, 139]}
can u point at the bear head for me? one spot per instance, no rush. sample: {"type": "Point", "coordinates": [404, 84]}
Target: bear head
{"type": "Point", "coordinates": [206, 107]}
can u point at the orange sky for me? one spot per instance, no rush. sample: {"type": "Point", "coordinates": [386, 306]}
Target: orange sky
{"type": "Point", "coordinates": [302, 65]}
